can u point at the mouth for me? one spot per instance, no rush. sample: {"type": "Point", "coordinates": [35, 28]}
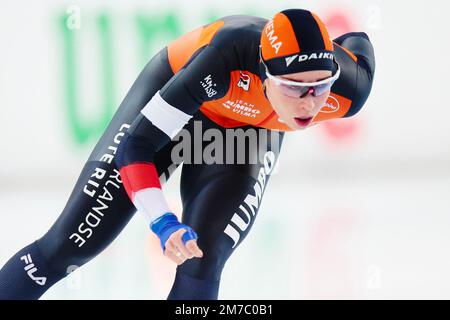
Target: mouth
{"type": "Point", "coordinates": [303, 122]}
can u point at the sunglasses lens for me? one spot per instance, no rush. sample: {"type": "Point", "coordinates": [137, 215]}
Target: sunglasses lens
{"type": "Point", "coordinates": [322, 88]}
{"type": "Point", "coordinates": [301, 90]}
{"type": "Point", "coordinates": [293, 91]}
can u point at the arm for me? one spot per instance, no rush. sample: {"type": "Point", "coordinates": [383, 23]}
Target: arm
{"type": "Point", "coordinates": [159, 121]}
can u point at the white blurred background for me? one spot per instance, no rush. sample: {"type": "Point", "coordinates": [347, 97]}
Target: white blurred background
{"type": "Point", "coordinates": [359, 208]}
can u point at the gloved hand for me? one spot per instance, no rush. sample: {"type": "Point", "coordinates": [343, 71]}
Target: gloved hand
{"type": "Point", "coordinates": [178, 241]}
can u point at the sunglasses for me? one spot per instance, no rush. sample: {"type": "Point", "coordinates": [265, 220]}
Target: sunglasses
{"type": "Point", "coordinates": [295, 89]}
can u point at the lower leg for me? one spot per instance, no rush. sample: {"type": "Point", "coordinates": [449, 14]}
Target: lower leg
{"type": "Point", "coordinates": [186, 287]}
{"type": "Point", "coordinates": [27, 275]}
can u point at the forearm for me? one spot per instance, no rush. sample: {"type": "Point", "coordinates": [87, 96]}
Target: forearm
{"type": "Point", "coordinates": [148, 133]}
{"type": "Point", "coordinates": [140, 177]}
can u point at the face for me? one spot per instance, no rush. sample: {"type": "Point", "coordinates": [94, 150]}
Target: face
{"type": "Point", "coordinates": [295, 112]}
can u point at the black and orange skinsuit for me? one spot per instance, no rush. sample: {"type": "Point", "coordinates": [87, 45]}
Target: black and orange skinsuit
{"type": "Point", "coordinates": [214, 75]}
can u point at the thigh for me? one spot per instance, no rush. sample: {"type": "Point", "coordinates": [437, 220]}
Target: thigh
{"type": "Point", "coordinates": [96, 212]}
{"type": "Point", "coordinates": [220, 202]}
{"type": "Point", "coordinates": [98, 207]}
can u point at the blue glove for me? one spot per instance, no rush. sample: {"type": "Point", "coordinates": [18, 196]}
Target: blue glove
{"type": "Point", "coordinates": [167, 224]}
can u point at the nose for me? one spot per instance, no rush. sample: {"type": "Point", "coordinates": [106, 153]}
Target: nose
{"type": "Point", "coordinates": [307, 103]}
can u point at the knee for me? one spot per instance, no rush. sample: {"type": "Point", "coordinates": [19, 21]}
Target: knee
{"type": "Point", "coordinates": [58, 254]}
{"type": "Point", "coordinates": [209, 267]}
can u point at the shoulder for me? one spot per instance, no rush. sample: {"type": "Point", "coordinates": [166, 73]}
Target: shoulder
{"type": "Point", "coordinates": [238, 41]}
{"type": "Point", "coordinates": [239, 29]}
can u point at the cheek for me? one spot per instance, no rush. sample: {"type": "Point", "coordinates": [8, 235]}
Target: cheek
{"type": "Point", "coordinates": [275, 95]}
{"type": "Point", "coordinates": [283, 100]}
{"type": "Point", "coordinates": [276, 99]}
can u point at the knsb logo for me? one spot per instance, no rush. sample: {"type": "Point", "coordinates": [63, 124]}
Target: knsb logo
{"type": "Point", "coordinates": [244, 81]}
{"type": "Point", "coordinates": [31, 269]}
{"type": "Point", "coordinates": [312, 56]}
{"type": "Point", "coordinates": [332, 105]}
{"type": "Point", "coordinates": [207, 84]}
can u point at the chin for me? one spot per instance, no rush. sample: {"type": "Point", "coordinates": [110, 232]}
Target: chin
{"type": "Point", "coordinates": [294, 126]}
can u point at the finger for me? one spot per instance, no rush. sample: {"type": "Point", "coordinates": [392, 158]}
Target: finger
{"type": "Point", "coordinates": [193, 247]}
{"type": "Point", "coordinates": [179, 259]}
{"type": "Point", "coordinates": [172, 256]}
{"type": "Point", "coordinates": [170, 246]}
{"type": "Point", "coordinates": [171, 252]}
{"type": "Point", "coordinates": [180, 245]}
